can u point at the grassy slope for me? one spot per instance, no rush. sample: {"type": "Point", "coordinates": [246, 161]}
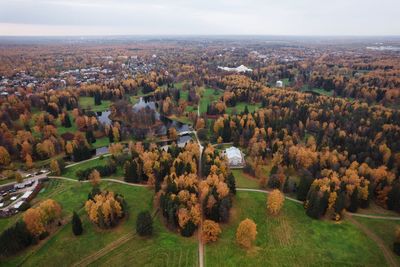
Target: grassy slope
{"type": "Point", "coordinates": [208, 97]}
{"type": "Point", "coordinates": [383, 229]}
{"type": "Point", "coordinates": [64, 249]}
{"type": "Point", "coordinates": [239, 108]}
{"type": "Point", "coordinates": [165, 248]}
{"type": "Point", "coordinates": [291, 239]}
{"type": "Point", "coordinates": [87, 102]}
{"type": "Point", "coordinates": [244, 181]}
{"type": "Point", "coordinates": [71, 171]}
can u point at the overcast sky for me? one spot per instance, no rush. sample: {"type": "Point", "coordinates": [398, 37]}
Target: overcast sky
{"type": "Point", "coordinates": [200, 17]}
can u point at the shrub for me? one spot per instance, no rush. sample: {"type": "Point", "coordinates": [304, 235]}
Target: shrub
{"type": "Point", "coordinates": [76, 224]}
{"type": "Point", "coordinates": [144, 224]}
{"type": "Point", "coordinates": [188, 229]}
{"type": "Point", "coordinates": [275, 201]}
{"type": "Point", "coordinates": [211, 231]}
{"type": "Point", "coordinates": [246, 233]}
{"type": "Point", "coordinates": [396, 244]}
{"type": "Point", "coordinates": [15, 239]}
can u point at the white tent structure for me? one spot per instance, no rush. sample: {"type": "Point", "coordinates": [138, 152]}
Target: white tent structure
{"type": "Point", "coordinates": [234, 155]}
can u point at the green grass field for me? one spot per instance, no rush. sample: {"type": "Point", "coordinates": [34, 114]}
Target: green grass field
{"type": "Point", "coordinates": [290, 239]}
{"type": "Point", "coordinates": [64, 249]}
{"type": "Point", "coordinates": [239, 108]}
{"type": "Point", "coordinates": [209, 95]}
{"type": "Point", "coordinates": [87, 102]}
{"type": "Point", "coordinates": [71, 171]}
{"type": "Point", "coordinates": [244, 181]}
{"type": "Point", "coordinates": [101, 142]}
{"type": "Point", "coordinates": [384, 229]}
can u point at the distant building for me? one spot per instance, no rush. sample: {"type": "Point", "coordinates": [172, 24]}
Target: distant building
{"type": "Point", "coordinates": [279, 84]}
{"type": "Point", "coordinates": [235, 156]}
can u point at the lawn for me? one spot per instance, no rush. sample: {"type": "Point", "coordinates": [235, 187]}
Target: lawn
{"type": "Point", "coordinates": [209, 95]}
{"type": "Point", "coordinates": [384, 229]}
{"type": "Point", "coordinates": [244, 181]}
{"type": "Point", "coordinates": [64, 248]}
{"type": "Point", "coordinates": [165, 248]}
{"type": "Point", "coordinates": [71, 171]}
{"type": "Point", "coordinates": [239, 108]}
{"type": "Point", "coordinates": [101, 142]}
{"type": "Point", "coordinates": [87, 102]}
{"type": "Point", "coordinates": [290, 239]}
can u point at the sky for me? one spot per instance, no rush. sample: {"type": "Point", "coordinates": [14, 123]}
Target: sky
{"type": "Point", "coordinates": [199, 17]}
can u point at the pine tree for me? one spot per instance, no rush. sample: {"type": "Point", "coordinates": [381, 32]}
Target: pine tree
{"type": "Point", "coordinates": [144, 224]}
{"type": "Point", "coordinates": [231, 183]}
{"type": "Point", "coordinates": [354, 201]}
{"type": "Point", "coordinates": [67, 121]}
{"type": "Point", "coordinates": [111, 136]}
{"type": "Point", "coordinates": [76, 224]}
{"type": "Point", "coordinates": [304, 186]}
{"type": "Point", "coordinates": [314, 205]}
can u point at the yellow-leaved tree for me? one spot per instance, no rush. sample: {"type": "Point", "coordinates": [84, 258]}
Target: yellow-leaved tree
{"type": "Point", "coordinates": [275, 202]}
{"type": "Point", "coordinates": [246, 233]}
{"type": "Point", "coordinates": [210, 231]}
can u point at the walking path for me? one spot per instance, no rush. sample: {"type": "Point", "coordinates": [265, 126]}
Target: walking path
{"type": "Point", "coordinates": [387, 253]}
{"type": "Point", "coordinates": [83, 161]}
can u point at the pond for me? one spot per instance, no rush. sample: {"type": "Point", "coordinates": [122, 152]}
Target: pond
{"type": "Point", "coordinates": [148, 102]}
{"type": "Point", "coordinates": [101, 150]}
{"type": "Point", "coordinates": [103, 117]}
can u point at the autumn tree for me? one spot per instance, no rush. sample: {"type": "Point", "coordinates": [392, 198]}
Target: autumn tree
{"type": "Point", "coordinates": [28, 161]}
{"type": "Point", "coordinates": [105, 209]}
{"type": "Point", "coordinates": [33, 221]}
{"type": "Point", "coordinates": [246, 233]}
{"type": "Point", "coordinates": [4, 156]}
{"type": "Point", "coordinates": [210, 231]}
{"type": "Point", "coordinates": [18, 177]}
{"type": "Point", "coordinates": [55, 168]}
{"type": "Point", "coordinates": [94, 178]}
{"type": "Point", "coordinates": [275, 202]}
{"type": "Point", "coordinates": [172, 133]}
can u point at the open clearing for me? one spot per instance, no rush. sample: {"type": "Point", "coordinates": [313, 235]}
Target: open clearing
{"type": "Point", "coordinates": [64, 249]}
{"type": "Point", "coordinates": [87, 102]}
{"type": "Point", "coordinates": [291, 239]}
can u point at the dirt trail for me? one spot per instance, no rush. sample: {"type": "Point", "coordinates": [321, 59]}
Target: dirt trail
{"type": "Point", "coordinates": [104, 251]}
{"type": "Point", "coordinates": [387, 253]}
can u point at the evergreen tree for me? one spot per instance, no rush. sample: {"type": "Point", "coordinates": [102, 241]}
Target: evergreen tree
{"type": "Point", "coordinates": [393, 201]}
{"type": "Point", "coordinates": [246, 110]}
{"type": "Point", "coordinates": [286, 188]}
{"type": "Point", "coordinates": [304, 186]}
{"type": "Point", "coordinates": [144, 224]}
{"type": "Point", "coordinates": [189, 229]}
{"type": "Point", "coordinates": [314, 205]}
{"type": "Point", "coordinates": [231, 183]}
{"type": "Point", "coordinates": [354, 202]}
{"type": "Point", "coordinates": [111, 136]}
{"type": "Point", "coordinates": [67, 121]}
{"type": "Point", "coordinates": [97, 99]}
{"type": "Point", "coordinates": [76, 224]}
{"type": "Point", "coordinates": [90, 137]}
{"type": "Point", "coordinates": [15, 239]}
{"type": "Point", "coordinates": [340, 202]}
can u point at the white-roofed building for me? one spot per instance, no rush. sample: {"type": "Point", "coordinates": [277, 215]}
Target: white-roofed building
{"type": "Point", "coordinates": [279, 84]}
{"type": "Point", "coordinates": [234, 155]}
